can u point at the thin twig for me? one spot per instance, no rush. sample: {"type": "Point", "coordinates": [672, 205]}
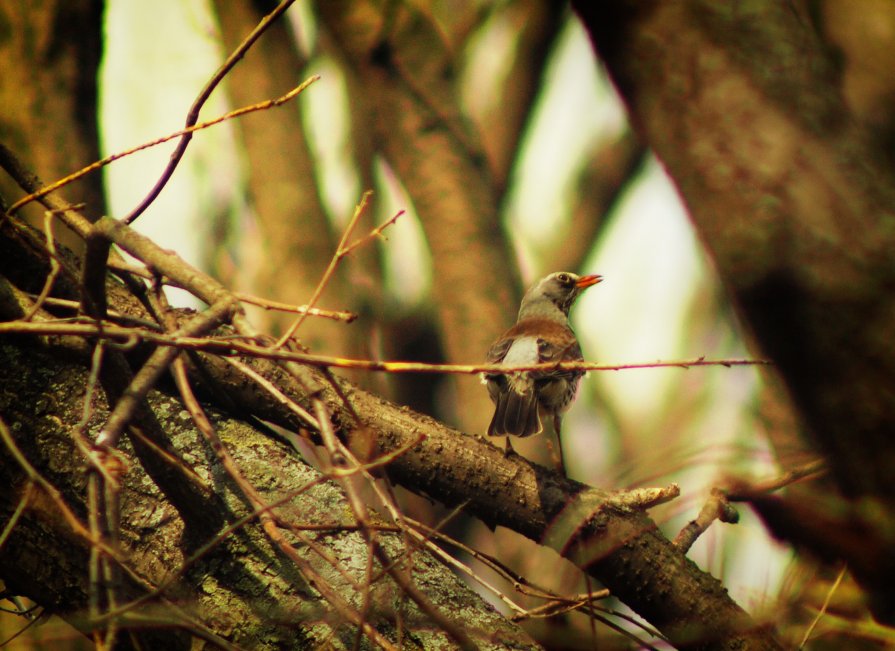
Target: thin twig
{"type": "Point", "coordinates": [264, 303]}
{"type": "Point", "coordinates": [824, 606]}
{"type": "Point", "coordinates": [235, 346]}
{"type": "Point", "coordinates": [342, 250]}
{"type": "Point", "coordinates": [267, 304]}
{"type": "Point", "coordinates": [340, 455]}
{"type": "Point", "coordinates": [267, 521]}
{"type": "Point", "coordinates": [71, 178]}
{"type": "Point", "coordinates": [193, 115]}
{"type": "Point", "coordinates": [55, 267]}
{"type": "Point", "coordinates": [51, 491]}
{"type": "Point", "coordinates": [743, 492]}
{"type": "Point", "coordinates": [17, 513]}
{"type": "Point", "coordinates": [153, 369]}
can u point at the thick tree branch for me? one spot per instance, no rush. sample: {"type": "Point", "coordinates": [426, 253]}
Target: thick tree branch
{"type": "Point", "coordinates": [619, 546]}
{"type": "Point", "coordinates": [235, 584]}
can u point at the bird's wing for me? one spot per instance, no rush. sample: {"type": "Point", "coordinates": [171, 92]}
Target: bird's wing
{"type": "Point", "coordinates": [499, 350]}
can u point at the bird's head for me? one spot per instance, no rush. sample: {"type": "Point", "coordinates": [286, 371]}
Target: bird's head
{"type": "Point", "coordinates": [556, 291]}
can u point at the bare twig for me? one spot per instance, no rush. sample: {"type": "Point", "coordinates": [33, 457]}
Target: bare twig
{"type": "Point", "coordinates": [19, 510]}
{"type": "Point", "coordinates": [51, 491]}
{"type": "Point", "coordinates": [824, 606]}
{"type": "Point", "coordinates": [716, 507]}
{"type": "Point", "coordinates": [193, 115]}
{"type": "Point", "coordinates": [45, 190]}
{"type": "Point", "coordinates": [267, 304]}
{"type": "Point", "coordinates": [743, 491]}
{"type": "Point", "coordinates": [233, 346]}
{"type": "Point", "coordinates": [153, 369]}
{"type": "Point", "coordinates": [342, 250]}
{"type": "Point", "coordinates": [55, 267]}
{"type": "Point", "coordinates": [267, 521]}
{"type": "Point", "coordinates": [342, 456]}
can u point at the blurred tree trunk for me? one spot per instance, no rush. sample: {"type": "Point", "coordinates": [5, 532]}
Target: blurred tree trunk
{"type": "Point", "coordinates": [743, 103]}
{"type": "Point", "coordinates": [49, 55]}
{"type": "Point", "coordinates": [294, 241]}
{"type": "Point", "coordinates": [535, 26]}
{"type": "Point", "coordinates": [410, 82]}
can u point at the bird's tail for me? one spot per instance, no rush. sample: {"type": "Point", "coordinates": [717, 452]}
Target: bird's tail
{"type": "Point", "coordinates": [516, 413]}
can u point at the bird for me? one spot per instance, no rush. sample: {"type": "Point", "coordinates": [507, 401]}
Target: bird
{"type": "Point", "coordinates": [541, 334]}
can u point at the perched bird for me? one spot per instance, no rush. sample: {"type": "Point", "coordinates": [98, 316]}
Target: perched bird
{"type": "Point", "coordinates": [541, 334]}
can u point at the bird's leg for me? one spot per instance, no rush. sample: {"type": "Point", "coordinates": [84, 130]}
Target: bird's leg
{"type": "Point", "coordinates": [508, 450]}
{"type": "Point", "coordinates": [560, 462]}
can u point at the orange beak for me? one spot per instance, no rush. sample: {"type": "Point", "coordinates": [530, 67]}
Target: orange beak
{"type": "Point", "coordinates": [587, 281]}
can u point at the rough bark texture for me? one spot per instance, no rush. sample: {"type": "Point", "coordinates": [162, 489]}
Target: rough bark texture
{"type": "Point", "coordinates": [742, 103]}
{"type": "Point", "coordinates": [242, 589]}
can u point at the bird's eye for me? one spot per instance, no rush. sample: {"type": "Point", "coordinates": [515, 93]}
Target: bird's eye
{"type": "Point", "coordinates": [564, 278]}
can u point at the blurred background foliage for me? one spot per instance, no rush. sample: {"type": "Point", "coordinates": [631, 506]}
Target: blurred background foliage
{"type": "Point", "coordinates": [512, 157]}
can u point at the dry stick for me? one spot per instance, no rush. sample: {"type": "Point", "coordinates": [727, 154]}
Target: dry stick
{"type": "Point", "coordinates": [336, 315]}
{"type": "Point", "coordinates": [204, 425]}
{"type": "Point", "coordinates": [55, 267]}
{"type": "Point", "coordinates": [450, 561]}
{"type": "Point", "coordinates": [267, 304]}
{"type": "Point", "coordinates": [204, 94]}
{"type": "Point", "coordinates": [336, 447]}
{"type": "Point", "coordinates": [152, 370]}
{"type": "Point", "coordinates": [17, 513]}
{"type": "Point", "coordinates": [40, 191]}
{"type": "Point", "coordinates": [51, 491]}
{"type": "Point", "coordinates": [273, 390]}
{"type": "Point", "coordinates": [823, 607]}
{"type": "Point", "coordinates": [235, 346]}
{"type": "Point", "coordinates": [172, 577]}
{"type": "Point", "coordinates": [113, 315]}
{"type": "Point", "coordinates": [95, 457]}
{"type": "Point", "coordinates": [342, 249]}
{"type": "Point", "coordinates": [331, 596]}
{"type": "Point", "coordinates": [82, 531]}
{"type": "Point", "coordinates": [559, 606]}
{"type": "Point", "coordinates": [209, 290]}
{"type": "Point", "coordinates": [807, 471]}
{"type": "Point", "coordinates": [93, 568]}
{"type": "Point", "coordinates": [270, 387]}
{"type": "Point", "coordinates": [22, 630]}
{"type": "Point", "coordinates": [716, 507]}
{"type": "Point", "coordinates": [168, 263]}
{"type": "Point", "coordinates": [337, 451]}
{"type": "Point", "coordinates": [425, 534]}
{"type": "Point", "coordinates": [263, 510]}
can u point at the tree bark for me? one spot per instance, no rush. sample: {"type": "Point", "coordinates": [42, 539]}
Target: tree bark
{"type": "Point", "coordinates": [241, 589]}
